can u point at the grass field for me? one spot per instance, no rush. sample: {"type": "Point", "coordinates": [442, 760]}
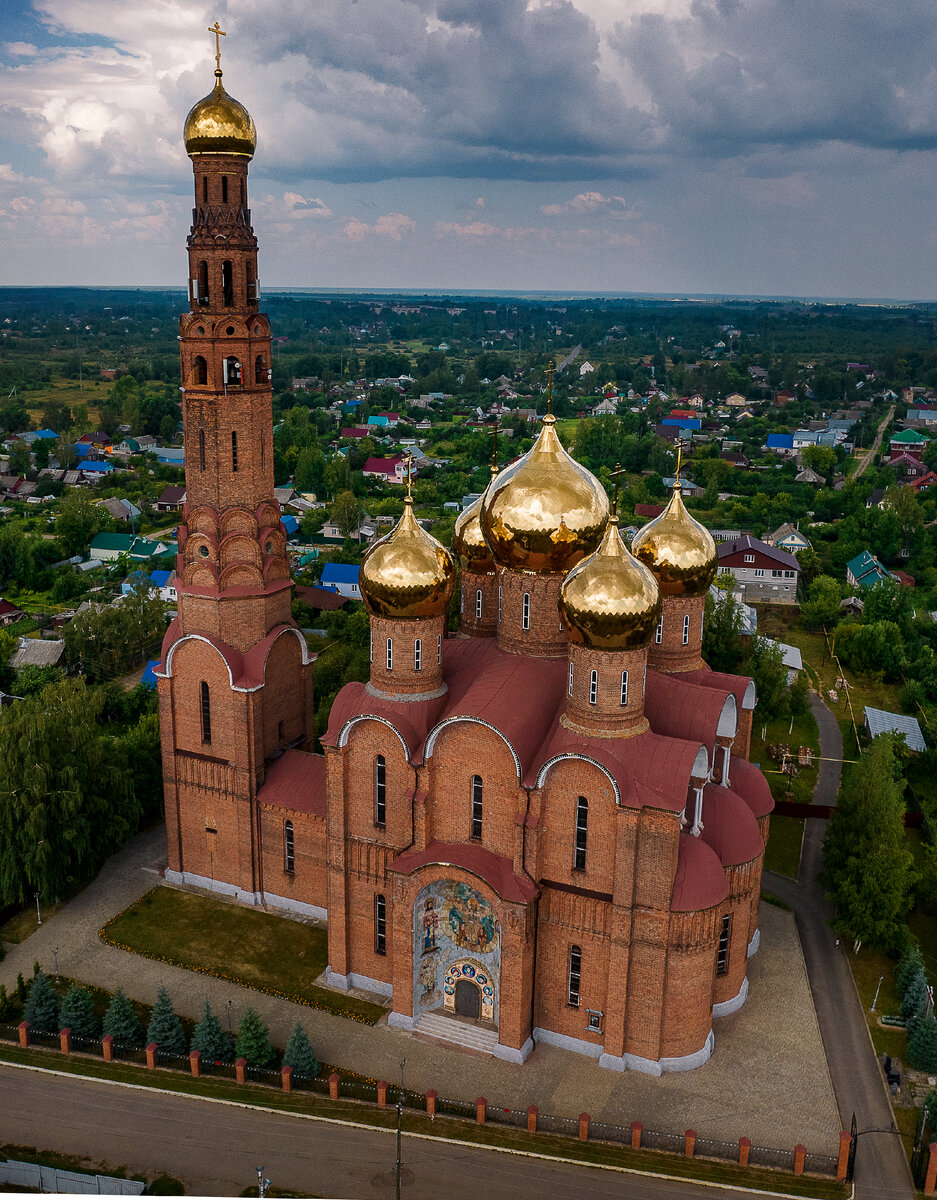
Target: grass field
{"type": "Point", "coordinates": [782, 853]}
{"type": "Point", "coordinates": [252, 948]}
{"type": "Point", "coordinates": [802, 731]}
{"type": "Point", "coordinates": [23, 923]}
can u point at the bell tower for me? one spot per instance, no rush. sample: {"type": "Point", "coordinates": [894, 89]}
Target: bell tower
{"type": "Point", "coordinates": [233, 689]}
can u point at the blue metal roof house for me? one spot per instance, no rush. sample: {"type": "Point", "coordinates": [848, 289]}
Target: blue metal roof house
{"type": "Point", "coordinates": [291, 525]}
{"type": "Point", "coordinates": [780, 441]}
{"type": "Point", "coordinates": [683, 422]}
{"type": "Point", "coordinates": [342, 578]}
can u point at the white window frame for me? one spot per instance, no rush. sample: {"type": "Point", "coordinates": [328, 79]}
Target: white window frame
{"type": "Point", "coordinates": [659, 631]}
{"type": "Point", "coordinates": [390, 654]}
{"type": "Point", "coordinates": [624, 688]}
{"type": "Point", "coordinates": [593, 687]}
{"type": "Point", "coordinates": [478, 604]}
{"type": "Point", "coordinates": [749, 558]}
{"type": "Point", "coordinates": [570, 679]}
{"type": "Point", "coordinates": [418, 655]}
{"type": "Point", "coordinates": [686, 630]}
{"type": "Point", "coordinates": [525, 611]}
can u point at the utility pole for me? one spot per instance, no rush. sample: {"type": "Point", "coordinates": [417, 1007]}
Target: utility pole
{"type": "Point", "coordinates": [403, 1062]}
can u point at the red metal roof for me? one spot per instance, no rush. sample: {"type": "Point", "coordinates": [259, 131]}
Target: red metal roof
{"type": "Point", "coordinates": [495, 869]}
{"type": "Point", "coordinates": [737, 684]}
{"type": "Point", "coordinates": [318, 597]}
{"type": "Point", "coordinates": [681, 707]}
{"type": "Point", "coordinates": [749, 783]}
{"type": "Point", "coordinates": [729, 826]}
{"type": "Point", "coordinates": [295, 780]}
{"type": "Point", "coordinates": [700, 881]}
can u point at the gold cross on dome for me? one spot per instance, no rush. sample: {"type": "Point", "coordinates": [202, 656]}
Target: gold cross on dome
{"type": "Point", "coordinates": [409, 475]}
{"type": "Point", "coordinates": [679, 461]}
{"type": "Point", "coordinates": [616, 474]}
{"type": "Point", "coordinates": [219, 34]}
{"type": "Point", "coordinates": [550, 387]}
{"type": "Point", "coordinates": [494, 451]}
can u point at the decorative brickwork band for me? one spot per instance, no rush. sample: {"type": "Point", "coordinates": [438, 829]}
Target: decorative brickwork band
{"type": "Point", "coordinates": [842, 1162]}
{"type": "Point", "coordinates": [689, 1144]}
{"type": "Point", "coordinates": [382, 1093]}
{"type": "Point", "coordinates": [286, 1079]}
{"type": "Point", "coordinates": [532, 1112]}
{"type": "Point", "coordinates": [107, 1047]}
{"type": "Point", "coordinates": [151, 1057]}
{"type": "Point", "coordinates": [431, 1103]}
{"type": "Point", "coordinates": [584, 1120]}
{"type": "Point", "coordinates": [195, 1063]}
{"type": "Point", "coordinates": [745, 1149]}
{"type": "Point", "coordinates": [930, 1179]}
{"type": "Point", "coordinates": [636, 1130]}
{"type": "Point", "coordinates": [800, 1153]}
{"type": "Point", "coordinates": [65, 1041]}
{"type": "Point", "coordinates": [481, 1108]}
{"type": "Point", "coordinates": [23, 1030]}
{"type": "Point", "coordinates": [333, 1085]}
{"type": "Point", "coordinates": [240, 1069]}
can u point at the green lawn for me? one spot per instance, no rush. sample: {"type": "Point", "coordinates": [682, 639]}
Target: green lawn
{"type": "Point", "coordinates": [867, 967]}
{"type": "Point", "coordinates": [23, 923]}
{"type": "Point", "coordinates": [782, 853]}
{"type": "Point", "coordinates": [802, 731]}
{"type": "Point", "coordinates": [269, 953]}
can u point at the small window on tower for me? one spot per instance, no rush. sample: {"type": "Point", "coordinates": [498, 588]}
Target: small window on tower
{"type": "Point", "coordinates": [200, 369]}
{"type": "Point", "coordinates": [205, 698]}
{"type": "Point", "coordinates": [478, 605]}
{"type": "Point", "coordinates": [418, 655]}
{"type": "Point", "coordinates": [204, 189]}
{"type": "Point", "coordinates": [242, 191]}
{"type": "Point", "coordinates": [201, 449]}
{"type": "Point", "coordinates": [288, 849]}
{"type": "Point", "coordinates": [203, 282]}
{"type": "Point", "coordinates": [224, 189]}
{"type": "Point", "coordinates": [593, 686]}
{"type": "Point", "coordinates": [260, 370]}
{"type": "Point", "coordinates": [234, 451]}
{"type": "Point", "coordinates": [525, 615]}
{"type": "Point", "coordinates": [227, 283]}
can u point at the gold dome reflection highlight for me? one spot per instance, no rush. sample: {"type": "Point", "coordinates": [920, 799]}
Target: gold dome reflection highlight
{"type": "Point", "coordinates": [219, 124]}
{"type": "Point", "coordinates": [678, 549]}
{"type": "Point", "coordinates": [610, 601]}
{"type": "Point", "coordinates": [407, 573]}
{"type": "Point", "coordinates": [544, 512]}
{"type": "Point", "coordinates": [468, 541]}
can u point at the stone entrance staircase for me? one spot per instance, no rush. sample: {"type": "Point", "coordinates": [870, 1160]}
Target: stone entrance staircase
{"type": "Point", "coordinates": [445, 1029]}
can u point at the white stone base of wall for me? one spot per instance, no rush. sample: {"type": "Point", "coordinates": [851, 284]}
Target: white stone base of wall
{"type": "Point", "coordinates": [733, 1005]}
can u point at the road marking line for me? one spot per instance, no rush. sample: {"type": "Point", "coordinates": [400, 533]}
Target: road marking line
{"type": "Point", "coordinates": [425, 1137]}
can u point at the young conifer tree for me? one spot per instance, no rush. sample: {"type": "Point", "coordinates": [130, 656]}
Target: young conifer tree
{"type": "Point", "coordinates": [253, 1041]}
{"type": "Point", "coordinates": [300, 1055]}
{"type": "Point", "coordinates": [120, 1021]}
{"type": "Point", "coordinates": [165, 1028]}
{"type": "Point", "coordinates": [922, 1045]}
{"type": "Point", "coordinates": [42, 1005]}
{"type": "Point", "coordinates": [210, 1039]}
{"type": "Point", "coordinates": [77, 1014]}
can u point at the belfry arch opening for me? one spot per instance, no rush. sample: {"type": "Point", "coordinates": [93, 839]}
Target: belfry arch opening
{"type": "Point", "coordinates": [227, 283]}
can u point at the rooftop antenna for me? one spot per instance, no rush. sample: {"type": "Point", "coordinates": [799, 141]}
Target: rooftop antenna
{"type": "Point", "coordinates": [219, 34]}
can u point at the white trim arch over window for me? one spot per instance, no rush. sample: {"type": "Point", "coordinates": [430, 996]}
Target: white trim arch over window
{"type": "Point", "coordinates": [390, 654]}
{"type": "Point", "coordinates": [418, 654]}
{"type": "Point", "coordinates": [525, 612]}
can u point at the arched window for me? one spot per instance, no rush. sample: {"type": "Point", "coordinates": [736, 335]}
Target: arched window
{"type": "Point", "coordinates": [380, 925]}
{"type": "Point", "coordinates": [206, 713]}
{"type": "Point", "coordinates": [476, 806]}
{"type": "Point", "coordinates": [204, 189]}
{"type": "Point", "coordinates": [686, 630]}
{"type": "Point", "coordinates": [234, 451]}
{"type": "Point", "coordinates": [227, 283]}
{"type": "Point", "coordinates": [390, 654]}
{"type": "Point", "coordinates": [380, 791]}
{"type": "Point", "coordinates": [232, 372]}
{"type": "Point", "coordinates": [288, 846]}
{"type": "Point", "coordinates": [224, 189]}
{"type": "Point", "coordinates": [260, 369]}
{"type": "Point", "coordinates": [525, 617]}
{"type": "Point", "coordinates": [722, 954]}
{"type": "Point", "coordinates": [624, 687]}
{"type": "Point", "coordinates": [200, 369]}
{"type": "Point", "coordinates": [201, 449]}
{"type": "Point", "coordinates": [478, 605]}
{"type": "Point", "coordinates": [203, 282]}
{"type": "Point", "coordinates": [593, 686]}
{"type": "Point", "coordinates": [575, 976]}
{"type": "Point", "coordinates": [438, 649]}
{"type": "Point", "coordinates": [659, 632]}
{"type": "Point", "coordinates": [582, 833]}
{"type": "Point", "coordinates": [418, 655]}
{"type": "Point", "coordinates": [570, 678]}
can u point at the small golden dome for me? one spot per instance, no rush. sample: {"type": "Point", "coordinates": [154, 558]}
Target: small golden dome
{"type": "Point", "coordinates": [546, 511]}
{"type": "Point", "coordinates": [219, 124]}
{"type": "Point", "coordinates": [468, 541]}
{"type": "Point", "coordinates": [680, 552]}
{"type": "Point", "coordinates": [610, 601]}
{"type": "Point", "coordinates": [407, 573]}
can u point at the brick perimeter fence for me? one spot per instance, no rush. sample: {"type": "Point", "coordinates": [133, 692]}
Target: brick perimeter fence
{"type": "Point", "coordinates": [480, 1111]}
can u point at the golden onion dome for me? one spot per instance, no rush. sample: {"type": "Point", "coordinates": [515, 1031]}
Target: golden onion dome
{"type": "Point", "coordinates": [610, 601]}
{"type": "Point", "coordinates": [680, 552]}
{"type": "Point", "coordinates": [468, 541]}
{"type": "Point", "coordinates": [545, 511]}
{"type": "Point", "coordinates": [219, 124]}
{"type": "Point", "coordinates": [407, 573]}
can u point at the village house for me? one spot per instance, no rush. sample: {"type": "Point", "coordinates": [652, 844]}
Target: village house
{"type": "Point", "coordinates": [763, 572]}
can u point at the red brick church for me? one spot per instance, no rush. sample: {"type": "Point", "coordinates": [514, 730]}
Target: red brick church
{"type": "Point", "coordinates": [544, 825]}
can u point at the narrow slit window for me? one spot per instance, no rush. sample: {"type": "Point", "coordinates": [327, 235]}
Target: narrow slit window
{"type": "Point", "coordinates": [380, 925]}
{"type": "Point", "coordinates": [582, 833]}
{"type": "Point", "coordinates": [201, 449]}
{"type": "Point", "coordinates": [206, 713]}
{"type": "Point", "coordinates": [288, 855]}
{"type": "Point", "coordinates": [478, 605]}
{"type": "Point", "coordinates": [380, 791]}
{"type": "Point", "coordinates": [390, 654]}
{"type": "Point", "coordinates": [575, 976]}
{"type": "Point", "coordinates": [418, 655]}
{"type": "Point", "coordinates": [224, 189]}
{"type": "Point", "coordinates": [686, 630]}
{"type": "Point", "coordinates": [438, 649]}
{"type": "Point", "coordinates": [499, 605]}
{"type": "Point", "coordinates": [203, 282]}
{"type": "Point", "coordinates": [476, 806]}
{"type": "Point", "coordinates": [525, 617]}
{"type": "Point", "coordinates": [722, 955]}
{"type": "Point", "coordinates": [593, 687]}
{"type": "Point", "coordinates": [234, 451]}
{"type": "Point", "coordinates": [227, 283]}
{"type": "Point", "coordinates": [204, 189]}
{"type": "Point", "coordinates": [659, 632]}
{"type": "Point", "coordinates": [624, 687]}
{"type": "Point", "coordinates": [570, 689]}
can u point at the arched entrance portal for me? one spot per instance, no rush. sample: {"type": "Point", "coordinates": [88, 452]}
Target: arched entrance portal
{"type": "Point", "coordinates": [468, 998]}
{"type": "Point", "coordinates": [457, 952]}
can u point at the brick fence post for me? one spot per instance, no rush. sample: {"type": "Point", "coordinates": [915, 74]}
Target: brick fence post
{"type": "Point", "coordinates": [689, 1143]}
{"type": "Point", "coordinates": [23, 1029]}
{"type": "Point", "coordinates": [107, 1047]}
{"type": "Point", "coordinates": [481, 1108]}
{"type": "Point", "coordinates": [584, 1120]}
{"type": "Point", "coordinates": [151, 1057]}
{"type": "Point", "coordinates": [532, 1113]}
{"type": "Point", "coordinates": [800, 1153]}
{"type": "Point", "coordinates": [636, 1130]}
{"type": "Point", "coordinates": [431, 1103]}
{"type": "Point", "coordinates": [65, 1040]}
{"type": "Point", "coordinates": [240, 1069]}
{"type": "Point", "coordinates": [195, 1063]}
{"type": "Point", "coordinates": [382, 1093]}
{"type": "Point", "coordinates": [286, 1078]}
{"type": "Point", "coordinates": [842, 1162]}
{"type": "Point", "coordinates": [745, 1148]}
{"type": "Point", "coordinates": [333, 1085]}
{"type": "Point", "coordinates": [930, 1179]}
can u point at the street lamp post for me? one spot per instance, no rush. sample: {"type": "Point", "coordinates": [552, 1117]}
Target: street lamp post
{"type": "Point", "coordinates": [228, 1006]}
{"type": "Point", "coordinates": [403, 1063]}
{"type": "Point", "coordinates": [38, 913]}
{"type": "Point", "coordinates": [875, 1000]}
{"type": "Point", "coordinates": [55, 959]}
{"type": "Point", "coordinates": [262, 1184]}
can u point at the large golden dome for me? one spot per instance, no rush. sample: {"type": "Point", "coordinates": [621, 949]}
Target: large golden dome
{"type": "Point", "coordinates": [610, 601]}
{"type": "Point", "coordinates": [546, 511]}
{"type": "Point", "coordinates": [219, 124]}
{"type": "Point", "coordinates": [468, 541]}
{"type": "Point", "coordinates": [407, 573]}
{"type": "Point", "coordinates": [680, 552]}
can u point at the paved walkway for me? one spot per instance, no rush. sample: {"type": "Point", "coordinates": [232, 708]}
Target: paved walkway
{"type": "Point", "coordinates": [766, 1079]}
{"type": "Point", "coordinates": [881, 1166]}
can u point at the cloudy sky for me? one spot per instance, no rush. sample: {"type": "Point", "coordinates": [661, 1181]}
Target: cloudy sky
{"type": "Point", "coordinates": [781, 147]}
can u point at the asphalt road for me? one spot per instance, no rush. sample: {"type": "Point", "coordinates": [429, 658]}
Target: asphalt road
{"type": "Point", "coordinates": [881, 1165]}
{"type": "Point", "coordinates": [215, 1149]}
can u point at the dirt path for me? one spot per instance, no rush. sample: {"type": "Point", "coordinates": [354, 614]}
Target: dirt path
{"type": "Point", "coordinates": [873, 450]}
